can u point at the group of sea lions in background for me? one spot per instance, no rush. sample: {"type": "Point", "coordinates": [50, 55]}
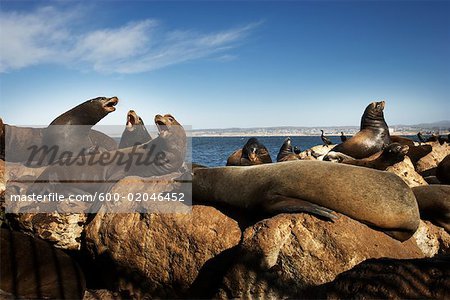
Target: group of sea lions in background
{"type": "Point", "coordinates": [318, 187]}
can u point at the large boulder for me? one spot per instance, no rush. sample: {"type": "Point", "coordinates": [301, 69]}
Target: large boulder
{"type": "Point", "coordinates": [284, 255]}
{"type": "Point", "coordinates": [406, 171]}
{"type": "Point", "coordinates": [159, 255]}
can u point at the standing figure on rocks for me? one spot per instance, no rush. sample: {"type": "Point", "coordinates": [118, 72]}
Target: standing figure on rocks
{"type": "Point", "coordinates": [343, 137]}
{"type": "Point", "coordinates": [326, 141]}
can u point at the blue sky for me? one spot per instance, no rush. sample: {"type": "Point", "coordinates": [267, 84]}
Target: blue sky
{"type": "Point", "coordinates": [218, 64]}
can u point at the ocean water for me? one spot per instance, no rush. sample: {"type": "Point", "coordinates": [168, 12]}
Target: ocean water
{"type": "Point", "coordinates": [214, 151]}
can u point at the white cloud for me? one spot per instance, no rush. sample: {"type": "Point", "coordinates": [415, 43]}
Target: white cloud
{"type": "Point", "coordinates": [47, 36]}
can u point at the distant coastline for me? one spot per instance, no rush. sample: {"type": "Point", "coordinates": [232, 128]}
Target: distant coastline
{"type": "Point", "coordinates": [442, 128]}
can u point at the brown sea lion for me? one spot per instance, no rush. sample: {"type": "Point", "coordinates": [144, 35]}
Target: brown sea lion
{"type": "Point", "coordinates": [434, 204]}
{"type": "Point", "coordinates": [443, 170]}
{"type": "Point", "coordinates": [380, 199]}
{"type": "Point", "coordinates": [160, 156]}
{"type": "Point", "coordinates": [392, 154]}
{"type": "Point", "coordinates": [17, 140]}
{"type": "Point", "coordinates": [372, 137]}
{"type": "Point", "coordinates": [135, 132]}
{"type": "Point", "coordinates": [286, 152]}
{"type": "Point", "coordinates": [34, 269]}
{"type": "Point", "coordinates": [253, 153]}
{"type": "Point", "coordinates": [415, 152]}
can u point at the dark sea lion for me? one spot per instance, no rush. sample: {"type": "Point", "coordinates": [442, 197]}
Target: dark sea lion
{"type": "Point", "coordinates": [326, 141]}
{"type": "Point", "coordinates": [434, 203]}
{"type": "Point", "coordinates": [286, 152]}
{"type": "Point", "coordinates": [377, 198]}
{"type": "Point", "coordinates": [34, 269]}
{"type": "Point", "coordinates": [443, 170]}
{"type": "Point", "coordinates": [158, 157]}
{"type": "Point", "coordinates": [135, 132]}
{"type": "Point", "coordinates": [392, 154]}
{"type": "Point", "coordinates": [415, 152]}
{"type": "Point", "coordinates": [297, 150]}
{"type": "Point", "coordinates": [62, 133]}
{"type": "Point", "coordinates": [253, 153]}
{"type": "Point", "coordinates": [372, 137]}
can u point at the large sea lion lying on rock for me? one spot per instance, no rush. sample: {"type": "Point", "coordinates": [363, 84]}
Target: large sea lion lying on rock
{"type": "Point", "coordinates": [253, 153]}
{"type": "Point", "coordinates": [414, 152]}
{"type": "Point", "coordinates": [379, 199]}
{"type": "Point", "coordinates": [443, 170]}
{"type": "Point", "coordinates": [372, 137]}
{"type": "Point", "coordinates": [34, 269]}
{"type": "Point", "coordinates": [135, 132]}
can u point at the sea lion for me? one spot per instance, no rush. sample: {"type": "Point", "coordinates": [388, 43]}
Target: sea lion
{"type": "Point", "coordinates": [286, 152]}
{"type": "Point", "coordinates": [443, 170]}
{"type": "Point", "coordinates": [392, 154]}
{"type": "Point", "coordinates": [415, 153]}
{"type": "Point", "coordinates": [74, 139]}
{"type": "Point", "coordinates": [326, 141]}
{"type": "Point", "coordinates": [253, 153]}
{"type": "Point", "coordinates": [377, 198]}
{"type": "Point", "coordinates": [33, 269]}
{"type": "Point", "coordinates": [158, 157]}
{"type": "Point", "coordinates": [17, 140]}
{"type": "Point", "coordinates": [372, 137]}
{"type": "Point", "coordinates": [135, 132]}
{"type": "Point", "coordinates": [434, 203]}
{"type": "Point", "coordinates": [421, 138]}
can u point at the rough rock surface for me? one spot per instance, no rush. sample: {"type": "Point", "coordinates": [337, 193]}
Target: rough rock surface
{"type": "Point", "coordinates": [427, 278]}
{"type": "Point", "coordinates": [406, 171]}
{"type": "Point", "coordinates": [62, 230]}
{"type": "Point", "coordinates": [101, 295]}
{"type": "Point", "coordinates": [431, 160]}
{"type": "Point", "coordinates": [286, 254]}
{"type": "Point", "coordinates": [160, 254]}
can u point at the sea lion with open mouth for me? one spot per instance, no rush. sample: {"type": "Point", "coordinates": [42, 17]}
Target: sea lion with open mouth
{"type": "Point", "coordinates": [99, 172]}
{"type": "Point", "coordinates": [372, 137]}
{"type": "Point", "coordinates": [253, 153]}
{"type": "Point", "coordinates": [16, 140]}
{"type": "Point", "coordinates": [377, 198]}
{"type": "Point", "coordinates": [135, 132]}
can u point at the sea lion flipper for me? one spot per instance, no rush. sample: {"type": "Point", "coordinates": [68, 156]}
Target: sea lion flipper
{"type": "Point", "coordinates": [283, 204]}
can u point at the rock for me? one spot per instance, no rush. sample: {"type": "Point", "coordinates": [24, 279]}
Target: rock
{"type": "Point", "coordinates": [286, 254]}
{"type": "Point", "coordinates": [159, 255]}
{"type": "Point", "coordinates": [316, 152]}
{"type": "Point", "coordinates": [427, 278]}
{"type": "Point", "coordinates": [431, 160]}
{"type": "Point", "coordinates": [62, 230]}
{"type": "Point", "coordinates": [406, 171]}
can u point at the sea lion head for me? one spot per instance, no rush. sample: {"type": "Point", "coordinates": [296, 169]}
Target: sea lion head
{"type": "Point", "coordinates": [285, 149]}
{"type": "Point", "coordinates": [132, 120]}
{"type": "Point", "coordinates": [395, 152]}
{"type": "Point", "coordinates": [168, 125]}
{"type": "Point", "coordinates": [105, 104]}
{"type": "Point", "coordinates": [373, 116]}
{"type": "Point", "coordinates": [251, 149]}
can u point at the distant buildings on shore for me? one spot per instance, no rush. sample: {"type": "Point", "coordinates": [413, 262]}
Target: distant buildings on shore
{"type": "Point", "coordinates": [426, 129]}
